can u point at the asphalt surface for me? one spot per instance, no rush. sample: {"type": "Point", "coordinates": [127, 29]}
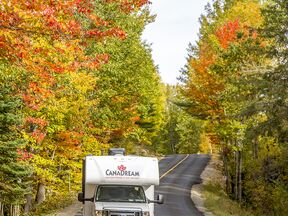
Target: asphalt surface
{"type": "Point", "coordinates": [176, 185]}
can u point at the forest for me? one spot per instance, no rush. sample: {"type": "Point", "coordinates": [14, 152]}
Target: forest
{"type": "Point", "coordinates": [76, 79]}
{"type": "Point", "coordinates": [236, 83]}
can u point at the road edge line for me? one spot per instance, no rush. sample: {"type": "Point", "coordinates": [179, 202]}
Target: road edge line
{"type": "Point", "coordinates": [170, 170]}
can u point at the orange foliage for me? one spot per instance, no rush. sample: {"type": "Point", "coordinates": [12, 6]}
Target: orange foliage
{"type": "Point", "coordinates": [203, 85]}
{"type": "Point", "coordinates": [135, 118]}
{"type": "Point", "coordinates": [228, 33]}
{"type": "Point", "coordinates": [68, 142]}
{"type": "Point", "coordinates": [37, 121]}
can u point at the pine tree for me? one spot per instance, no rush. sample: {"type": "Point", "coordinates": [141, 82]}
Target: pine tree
{"type": "Point", "coordinates": [14, 171]}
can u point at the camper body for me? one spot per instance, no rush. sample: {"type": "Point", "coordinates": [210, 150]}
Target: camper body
{"type": "Point", "coordinates": [119, 185]}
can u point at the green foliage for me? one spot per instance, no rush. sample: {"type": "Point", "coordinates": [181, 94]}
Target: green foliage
{"type": "Point", "coordinates": [169, 136]}
{"type": "Point", "coordinates": [128, 87]}
{"type": "Point", "coordinates": [14, 170]}
{"type": "Point", "coordinates": [181, 133]}
{"type": "Point", "coordinates": [189, 130]}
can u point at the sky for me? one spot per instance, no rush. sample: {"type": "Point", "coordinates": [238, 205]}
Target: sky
{"type": "Point", "coordinates": [177, 24]}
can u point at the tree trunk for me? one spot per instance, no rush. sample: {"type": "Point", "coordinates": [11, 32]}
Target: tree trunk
{"type": "Point", "coordinates": [1, 209]}
{"type": "Point", "coordinates": [236, 175]}
{"type": "Point", "coordinates": [226, 173]}
{"type": "Point", "coordinates": [255, 143]}
{"type": "Point", "coordinates": [28, 204]}
{"type": "Point", "coordinates": [14, 210]}
{"type": "Point", "coordinates": [239, 176]}
{"type": "Point", "coordinates": [40, 196]}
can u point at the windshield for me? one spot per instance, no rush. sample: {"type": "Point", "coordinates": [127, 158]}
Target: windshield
{"type": "Point", "coordinates": [120, 193]}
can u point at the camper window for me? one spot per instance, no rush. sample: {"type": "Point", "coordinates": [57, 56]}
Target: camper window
{"type": "Point", "coordinates": [120, 193]}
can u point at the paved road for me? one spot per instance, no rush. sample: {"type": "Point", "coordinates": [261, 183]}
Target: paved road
{"type": "Point", "coordinates": [176, 185]}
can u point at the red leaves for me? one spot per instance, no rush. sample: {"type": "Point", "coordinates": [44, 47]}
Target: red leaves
{"type": "Point", "coordinates": [58, 69]}
{"type": "Point", "coordinates": [103, 57]}
{"type": "Point", "coordinates": [74, 27]}
{"type": "Point", "coordinates": [52, 22]}
{"type": "Point", "coordinates": [93, 33]}
{"type": "Point", "coordinates": [2, 41]}
{"type": "Point", "coordinates": [23, 155]}
{"type": "Point", "coordinates": [83, 10]}
{"type": "Point", "coordinates": [38, 50]}
{"type": "Point", "coordinates": [38, 125]}
{"type": "Point", "coordinates": [29, 101]}
{"type": "Point", "coordinates": [97, 61]}
{"type": "Point", "coordinates": [84, 6]}
{"type": "Point", "coordinates": [36, 94]}
{"type": "Point", "coordinates": [228, 33]}
{"type": "Point", "coordinates": [37, 121]}
{"type": "Point", "coordinates": [9, 19]}
{"type": "Point", "coordinates": [116, 32]}
{"type": "Point", "coordinates": [38, 135]}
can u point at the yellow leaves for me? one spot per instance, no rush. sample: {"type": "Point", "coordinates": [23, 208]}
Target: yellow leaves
{"type": "Point", "coordinates": [41, 42]}
{"type": "Point", "coordinates": [205, 144]}
{"type": "Point", "coordinates": [214, 41]}
{"type": "Point", "coordinates": [90, 145]}
{"type": "Point", "coordinates": [83, 82]}
{"type": "Point", "coordinates": [40, 167]}
{"type": "Point", "coordinates": [247, 12]}
{"type": "Point", "coordinates": [118, 99]}
{"type": "Point", "coordinates": [268, 147]}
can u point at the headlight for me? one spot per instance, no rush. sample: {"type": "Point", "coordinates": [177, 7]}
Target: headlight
{"type": "Point", "coordinates": [98, 213]}
{"type": "Point", "coordinates": [146, 213]}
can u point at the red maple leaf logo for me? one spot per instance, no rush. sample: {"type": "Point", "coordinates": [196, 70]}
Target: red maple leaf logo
{"type": "Point", "coordinates": [121, 168]}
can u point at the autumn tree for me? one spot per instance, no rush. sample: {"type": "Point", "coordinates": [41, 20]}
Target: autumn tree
{"type": "Point", "coordinates": [86, 82]}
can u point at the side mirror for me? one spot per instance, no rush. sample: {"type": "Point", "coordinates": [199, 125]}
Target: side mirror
{"type": "Point", "coordinates": [160, 199]}
{"type": "Point", "coordinates": [82, 199]}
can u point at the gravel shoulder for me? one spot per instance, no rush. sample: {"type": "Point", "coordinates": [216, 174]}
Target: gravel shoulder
{"type": "Point", "coordinates": [72, 210]}
{"type": "Point", "coordinates": [210, 173]}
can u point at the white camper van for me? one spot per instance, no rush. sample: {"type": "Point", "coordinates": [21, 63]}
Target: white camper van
{"type": "Point", "coordinates": [119, 185]}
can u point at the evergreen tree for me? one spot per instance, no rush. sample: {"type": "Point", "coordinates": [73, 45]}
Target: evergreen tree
{"type": "Point", "coordinates": [14, 170]}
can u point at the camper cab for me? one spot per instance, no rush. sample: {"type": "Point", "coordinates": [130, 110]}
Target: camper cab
{"type": "Point", "coordinates": [119, 185]}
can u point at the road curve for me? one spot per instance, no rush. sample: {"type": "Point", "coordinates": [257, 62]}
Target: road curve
{"type": "Point", "coordinates": [168, 162]}
{"type": "Point", "coordinates": [176, 185]}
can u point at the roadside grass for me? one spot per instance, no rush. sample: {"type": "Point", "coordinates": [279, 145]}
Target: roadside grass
{"type": "Point", "coordinates": [218, 203]}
